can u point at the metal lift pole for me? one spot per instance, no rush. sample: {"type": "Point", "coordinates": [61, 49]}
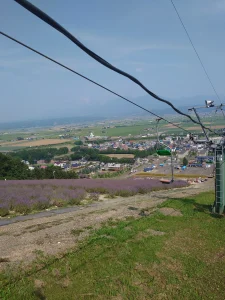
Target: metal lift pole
{"type": "Point", "coordinates": [172, 167]}
{"type": "Point", "coordinates": [219, 204]}
{"type": "Point", "coordinates": [157, 130]}
{"type": "Point", "coordinates": [203, 129]}
{"type": "Point", "coordinates": [221, 108]}
{"type": "Point", "coordinates": [171, 156]}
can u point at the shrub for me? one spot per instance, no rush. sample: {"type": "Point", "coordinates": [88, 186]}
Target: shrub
{"type": "Point", "coordinates": [22, 208]}
{"type": "Point", "coordinates": [100, 190]}
{"type": "Point", "coordinates": [74, 201]}
{"type": "Point", "coordinates": [111, 195]}
{"type": "Point", "coordinates": [142, 190]}
{"type": "Point", "coordinates": [124, 193]}
{"type": "Point", "coordinates": [94, 196]}
{"type": "Point", "coordinates": [40, 205]}
{"type": "Point", "coordinates": [4, 211]}
{"type": "Point", "coordinates": [58, 202]}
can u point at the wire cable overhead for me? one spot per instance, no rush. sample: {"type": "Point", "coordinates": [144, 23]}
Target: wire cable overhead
{"type": "Point", "coordinates": [47, 19]}
{"type": "Point", "coordinates": [90, 80]}
{"type": "Point", "coordinates": [196, 52]}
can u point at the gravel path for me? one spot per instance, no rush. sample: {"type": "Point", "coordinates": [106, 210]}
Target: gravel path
{"type": "Point", "coordinates": [55, 233]}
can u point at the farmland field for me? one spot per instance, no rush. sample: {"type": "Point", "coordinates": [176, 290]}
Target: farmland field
{"type": "Point", "coordinates": [129, 129]}
{"type": "Point", "coordinates": [171, 125]}
{"type": "Point", "coordinates": [199, 128]}
{"type": "Point", "coordinates": [42, 142]}
{"type": "Point", "coordinates": [120, 155]}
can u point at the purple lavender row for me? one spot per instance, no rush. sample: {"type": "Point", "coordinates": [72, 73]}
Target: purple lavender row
{"type": "Point", "coordinates": [27, 195]}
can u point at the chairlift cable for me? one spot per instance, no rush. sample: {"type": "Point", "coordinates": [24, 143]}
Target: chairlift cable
{"type": "Point", "coordinates": [196, 52]}
{"type": "Point", "coordinates": [90, 80]}
{"type": "Point", "coordinates": [51, 22]}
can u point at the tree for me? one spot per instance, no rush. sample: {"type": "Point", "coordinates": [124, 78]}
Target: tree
{"type": "Point", "coordinates": [78, 143]}
{"type": "Point", "coordinates": [12, 168]}
{"type": "Point", "coordinates": [185, 161]}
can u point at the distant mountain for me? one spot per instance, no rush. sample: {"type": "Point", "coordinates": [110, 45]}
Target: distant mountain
{"type": "Point", "coordinates": [119, 107]}
{"type": "Point", "coordinates": [50, 122]}
{"type": "Point", "coordinates": [115, 108]}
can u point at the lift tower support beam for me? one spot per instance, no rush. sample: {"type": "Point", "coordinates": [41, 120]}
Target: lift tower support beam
{"type": "Point", "coordinates": [219, 204]}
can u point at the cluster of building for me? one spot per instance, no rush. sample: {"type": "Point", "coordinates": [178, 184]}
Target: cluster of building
{"type": "Point", "coordinates": [181, 147]}
{"type": "Point", "coordinates": [122, 145]}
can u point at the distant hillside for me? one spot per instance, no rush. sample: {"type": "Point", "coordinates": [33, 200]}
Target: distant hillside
{"type": "Point", "coordinates": [114, 108]}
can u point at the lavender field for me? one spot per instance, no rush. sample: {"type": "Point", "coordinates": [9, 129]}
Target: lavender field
{"type": "Point", "coordinates": [24, 196]}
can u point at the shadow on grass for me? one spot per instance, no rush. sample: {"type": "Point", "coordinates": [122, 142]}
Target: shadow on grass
{"type": "Point", "coordinates": [207, 209]}
{"type": "Point", "coordinates": [199, 207]}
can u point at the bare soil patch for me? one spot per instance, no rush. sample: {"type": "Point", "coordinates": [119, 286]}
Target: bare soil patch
{"type": "Point", "coordinates": [171, 125]}
{"type": "Point", "coordinates": [199, 128]}
{"type": "Point", "coordinates": [155, 232]}
{"type": "Point", "coordinates": [167, 211]}
{"type": "Point", "coordinates": [120, 155]}
{"type": "Point", "coordinates": [43, 142]}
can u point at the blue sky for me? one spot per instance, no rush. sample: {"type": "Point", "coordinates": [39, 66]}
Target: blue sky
{"type": "Point", "coordinates": [144, 38]}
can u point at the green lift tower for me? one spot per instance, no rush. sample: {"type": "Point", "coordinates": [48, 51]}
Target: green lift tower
{"type": "Point", "coordinates": [219, 204]}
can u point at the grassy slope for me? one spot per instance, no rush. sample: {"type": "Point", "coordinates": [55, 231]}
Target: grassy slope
{"type": "Point", "coordinates": [123, 260]}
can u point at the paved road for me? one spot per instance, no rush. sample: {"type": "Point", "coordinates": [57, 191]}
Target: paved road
{"type": "Point", "coordinates": [42, 214]}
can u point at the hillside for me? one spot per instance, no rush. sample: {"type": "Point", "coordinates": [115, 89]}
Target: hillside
{"type": "Point", "coordinates": [173, 252]}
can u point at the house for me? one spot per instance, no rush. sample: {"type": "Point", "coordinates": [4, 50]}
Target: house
{"type": "Point", "coordinates": [149, 169]}
{"type": "Point", "coordinates": [59, 164]}
{"type": "Point", "coordinates": [75, 165]}
{"type": "Point", "coordinates": [114, 167]}
{"type": "Point", "coordinates": [66, 167]}
{"type": "Point", "coordinates": [202, 152]}
{"type": "Point", "coordinates": [183, 153]}
{"type": "Point", "coordinates": [201, 159]}
{"type": "Point", "coordinates": [41, 161]}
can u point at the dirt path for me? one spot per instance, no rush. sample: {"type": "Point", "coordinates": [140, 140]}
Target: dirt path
{"type": "Point", "coordinates": [56, 233]}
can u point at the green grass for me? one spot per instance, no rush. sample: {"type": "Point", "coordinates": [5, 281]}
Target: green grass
{"type": "Point", "coordinates": [123, 260]}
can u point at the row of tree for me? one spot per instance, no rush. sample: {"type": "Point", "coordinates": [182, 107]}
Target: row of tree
{"type": "Point", "coordinates": [13, 168]}
{"type": "Point", "coordinates": [96, 155]}
{"type": "Point", "coordinates": [136, 152]}
{"type": "Point", "coordinates": [33, 155]}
